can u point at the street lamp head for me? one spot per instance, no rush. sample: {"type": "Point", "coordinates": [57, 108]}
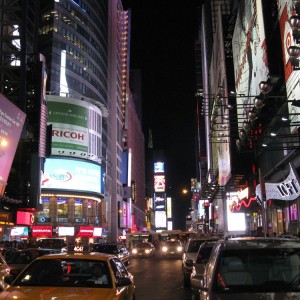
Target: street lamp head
{"type": "Point", "coordinates": [265, 87]}
{"type": "Point", "coordinates": [258, 103]}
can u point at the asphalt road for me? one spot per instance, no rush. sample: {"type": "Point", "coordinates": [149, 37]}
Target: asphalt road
{"type": "Point", "coordinates": [158, 279]}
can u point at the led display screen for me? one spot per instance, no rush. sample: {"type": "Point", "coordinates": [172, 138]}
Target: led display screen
{"type": "Point", "coordinates": [19, 231]}
{"type": "Point", "coordinates": [236, 221]}
{"type": "Point", "coordinates": [160, 219]}
{"type": "Point", "coordinates": [159, 167]}
{"type": "Point", "coordinates": [25, 218]}
{"type": "Point", "coordinates": [159, 183]}
{"type": "Point", "coordinates": [65, 231]}
{"type": "Point", "coordinates": [42, 231]}
{"type": "Point", "coordinates": [71, 174]}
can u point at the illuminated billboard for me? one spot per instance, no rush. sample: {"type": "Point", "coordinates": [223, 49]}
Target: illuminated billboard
{"type": "Point", "coordinates": [72, 175]}
{"type": "Point", "coordinates": [19, 231]}
{"type": "Point", "coordinates": [125, 214]}
{"type": "Point", "coordinates": [159, 183]}
{"type": "Point", "coordinates": [65, 231]}
{"type": "Point", "coordinates": [76, 127]}
{"type": "Point", "coordinates": [11, 123]}
{"type": "Point", "coordinates": [42, 231]}
{"type": "Point", "coordinates": [236, 221]}
{"type": "Point", "coordinates": [160, 201]}
{"type": "Point", "coordinates": [159, 167]}
{"type": "Point", "coordinates": [160, 219]}
{"type": "Point", "coordinates": [25, 218]}
{"type": "Point", "coordinates": [169, 207]}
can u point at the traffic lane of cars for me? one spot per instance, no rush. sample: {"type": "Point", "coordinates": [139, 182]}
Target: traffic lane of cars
{"type": "Point", "coordinates": [71, 275]}
{"type": "Point", "coordinates": [158, 278]}
{"type": "Point", "coordinates": [19, 259]}
{"type": "Point", "coordinates": [252, 268]}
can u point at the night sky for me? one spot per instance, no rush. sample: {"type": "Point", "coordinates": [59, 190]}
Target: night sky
{"type": "Point", "coordinates": [162, 47]}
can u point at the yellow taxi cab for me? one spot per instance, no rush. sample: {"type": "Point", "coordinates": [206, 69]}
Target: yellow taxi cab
{"type": "Point", "coordinates": [72, 276]}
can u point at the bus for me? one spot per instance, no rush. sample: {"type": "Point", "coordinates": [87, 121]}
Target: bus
{"type": "Point", "coordinates": [183, 236]}
{"type": "Point", "coordinates": [137, 237]}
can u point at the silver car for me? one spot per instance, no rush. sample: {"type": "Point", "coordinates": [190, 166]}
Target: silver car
{"type": "Point", "coordinates": [199, 265]}
{"type": "Point", "coordinates": [252, 268]}
{"type": "Point", "coordinates": [189, 256]}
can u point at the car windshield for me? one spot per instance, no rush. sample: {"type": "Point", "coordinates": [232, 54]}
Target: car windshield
{"type": "Point", "coordinates": [24, 257]}
{"type": "Point", "coordinates": [258, 270]}
{"type": "Point", "coordinates": [66, 272]}
{"type": "Point", "coordinates": [51, 243]}
{"type": "Point", "coordinates": [203, 254]}
{"type": "Point", "coordinates": [173, 243]}
{"type": "Point", "coordinates": [143, 245]}
{"type": "Point", "coordinates": [109, 249]}
{"type": "Point", "coordinates": [193, 246]}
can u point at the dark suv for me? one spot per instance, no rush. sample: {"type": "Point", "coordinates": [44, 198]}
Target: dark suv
{"type": "Point", "coordinates": [118, 250]}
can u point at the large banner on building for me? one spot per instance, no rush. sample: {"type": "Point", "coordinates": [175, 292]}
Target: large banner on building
{"type": "Point", "coordinates": [292, 77]}
{"type": "Point", "coordinates": [249, 56]}
{"type": "Point", "coordinates": [11, 124]}
{"type": "Point", "coordinates": [76, 128]}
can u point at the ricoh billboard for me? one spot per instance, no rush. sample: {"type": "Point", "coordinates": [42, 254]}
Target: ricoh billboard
{"type": "Point", "coordinates": [76, 127]}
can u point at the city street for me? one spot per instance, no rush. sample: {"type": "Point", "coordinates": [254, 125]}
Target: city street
{"type": "Point", "coordinates": [158, 279]}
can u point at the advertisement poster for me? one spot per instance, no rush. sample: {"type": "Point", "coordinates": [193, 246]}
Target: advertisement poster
{"type": "Point", "coordinates": [11, 124]}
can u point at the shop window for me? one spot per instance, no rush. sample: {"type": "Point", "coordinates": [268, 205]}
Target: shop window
{"type": "Point", "coordinates": [78, 208]}
{"type": "Point", "coordinates": [46, 208]}
{"type": "Point", "coordinates": [62, 207]}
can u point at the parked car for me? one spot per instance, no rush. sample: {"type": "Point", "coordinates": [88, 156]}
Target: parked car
{"type": "Point", "coordinates": [252, 268]}
{"type": "Point", "coordinates": [18, 260]}
{"type": "Point", "coordinates": [77, 276]}
{"type": "Point", "coordinates": [116, 249]}
{"type": "Point", "coordinates": [144, 249]}
{"type": "Point", "coordinates": [199, 266]}
{"type": "Point", "coordinates": [189, 256]}
{"type": "Point", "coordinates": [171, 248]}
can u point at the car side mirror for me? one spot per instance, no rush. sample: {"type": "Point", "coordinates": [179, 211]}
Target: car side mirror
{"type": "Point", "coordinates": [9, 279]}
{"type": "Point", "coordinates": [189, 263]}
{"type": "Point", "coordinates": [123, 281]}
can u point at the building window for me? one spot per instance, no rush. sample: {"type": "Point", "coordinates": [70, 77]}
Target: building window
{"type": "Point", "coordinates": [46, 208]}
{"type": "Point", "coordinates": [78, 208]}
{"type": "Point", "coordinates": [62, 207]}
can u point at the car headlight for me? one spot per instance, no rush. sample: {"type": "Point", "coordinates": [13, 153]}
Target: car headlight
{"type": "Point", "coordinates": [164, 249]}
{"type": "Point", "coordinates": [134, 251]}
{"type": "Point", "coordinates": [179, 249]}
{"type": "Point", "coordinates": [147, 251]}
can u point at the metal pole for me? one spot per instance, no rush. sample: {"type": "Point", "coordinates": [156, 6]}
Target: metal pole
{"type": "Point", "coordinates": [263, 203]}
